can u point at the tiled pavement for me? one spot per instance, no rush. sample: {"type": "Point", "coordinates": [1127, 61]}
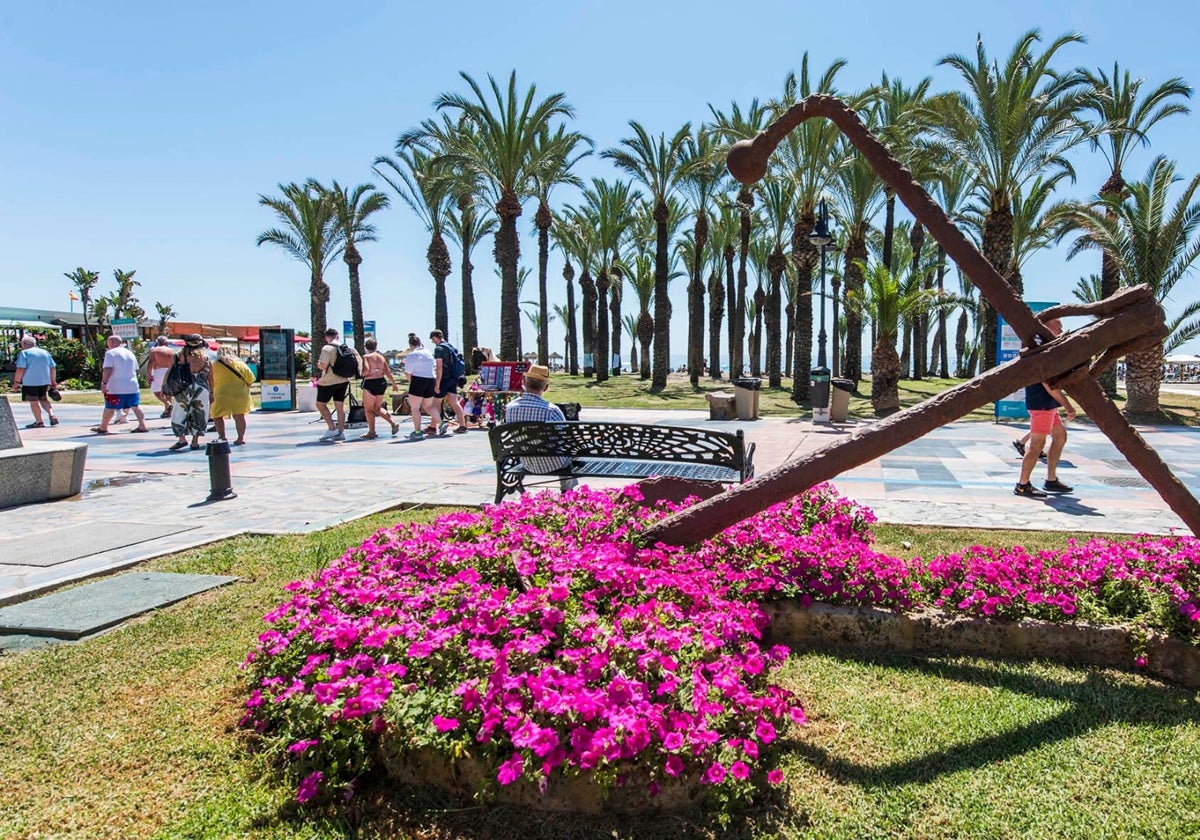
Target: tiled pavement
{"type": "Point", "coordinates": [287, 482]}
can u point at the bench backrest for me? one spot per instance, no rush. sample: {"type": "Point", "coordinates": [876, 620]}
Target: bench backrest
{"type": "Point", "coordinates": [631, 441]}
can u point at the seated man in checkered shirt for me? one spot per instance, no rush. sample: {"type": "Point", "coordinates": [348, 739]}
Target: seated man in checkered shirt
{"type": "Point", "coordinates": [531, 406]}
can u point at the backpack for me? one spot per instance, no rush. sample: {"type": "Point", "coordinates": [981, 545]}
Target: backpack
{"type": "Point", "coordinates": [179, 377]}
{"type": "Point", "coordinates": [458, 365]}
{"type": "Point", "coordinates": [345, 363]}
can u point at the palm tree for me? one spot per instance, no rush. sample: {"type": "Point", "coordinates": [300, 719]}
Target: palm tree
{"type": "Point", "coordinates": [165, 313]}
{"type": "Point", "coordinates": [566, 236]}
{"type": "Point", "coordinates": [504, 149]}
{"type": "Point", "coordinates": [658, 165]}
{"type": "Point", "coordinates": [310, 234]}
{"type": "Point", "coordinates": [566, 315]}
{"type": "Point", "coordinates": [630, 322]}
{"type": "Point", "coordinates": [703, 173]}
{"type": "Point", "coordinates": [778, 197]}
{"type": "Point", "coordinates": [721, 234]}
{"type": "Point", "coordinates": [809, 156]}
{"type": "Point", "coordinates": [610, 210]}
{"type": "Point", "coordinates": [425, 186]}
{"type": "Point", "coordinates": [577, 236]}
{"type": "Point", "coordinates": [352, 208]}
{"type": "Point", "coordinates": [1120, 122]}
{"type": "Point", "coordinates": [1012, 124]}
{"type": "Point", "coordinates": [953, 186]}
{"type": "Point", "coordinates": [643, 281]}
{"type": "Point", "coordinates": [84, 281]}
{"type": "Point", "coordinates": [556, 156]}
{"type": "Point", "coordinates": [1089, 289]}
{"type": "Point", "coordinates": [858, 196]}
{"type": "Point", "coordinates": [1154, 243]}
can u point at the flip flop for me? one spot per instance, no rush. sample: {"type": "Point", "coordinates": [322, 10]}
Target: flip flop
{"type": "Point", "coordinates": [138, 431]}
{"type": "Point", "coordinates": [99, 431]}
{"type": "Point", "coordinates": [195, 446]}
{"type": "Point", "coordinates": [53, 421]}
{"type": "Point", "coordinates": [177, 446]}
{"type": "Point", "coordinates": [239, 443]}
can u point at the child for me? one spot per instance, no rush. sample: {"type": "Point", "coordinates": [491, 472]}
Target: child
{"type": "Point", "coordinates": [473, 407]}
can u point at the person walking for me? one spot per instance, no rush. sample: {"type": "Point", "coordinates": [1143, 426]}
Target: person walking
{"type": "Point", "coordinates": [422, 384]}
{"type": "Point", "coordinates": [337, 364]}
{"type": "Point", "coordinates": [157, 364]}
{"type": "Point", "coordinates": [231, 381]}
{"type": "Point", "coordinates": [36, 376]}
{"type": "Point", "coordinates": [376, 376]}
{"type": "Point", "coordinates": [531, 407]}
{"type": "Point", "coordinates": [190, 412]}
{"type": "Point", "coordinates": [1042, 402]}
{"type": "Point", "coordinates": [449, 372]}
{"type": "Point", "coordinates": [119, 385]}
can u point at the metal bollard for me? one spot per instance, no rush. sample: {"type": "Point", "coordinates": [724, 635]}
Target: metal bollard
{"type": "Point", "coordinates": [220, 485]}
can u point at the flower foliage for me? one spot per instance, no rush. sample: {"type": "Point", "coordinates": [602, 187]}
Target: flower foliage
{"type": "Point", "coordinates": [537, 638]}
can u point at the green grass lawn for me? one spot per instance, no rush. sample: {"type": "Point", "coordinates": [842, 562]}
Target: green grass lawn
{"type": "Point", "coordinates": [134, 734]}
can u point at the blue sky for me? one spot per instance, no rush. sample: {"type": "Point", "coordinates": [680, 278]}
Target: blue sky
{"type": "Point", "coordinates": [139, 135]}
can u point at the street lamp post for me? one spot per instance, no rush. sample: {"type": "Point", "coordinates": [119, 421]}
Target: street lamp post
{"type": "Point", "coordinates": [820, 238]}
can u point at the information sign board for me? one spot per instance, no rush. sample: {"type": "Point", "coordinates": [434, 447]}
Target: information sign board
{"type": "Point", "coordinates": [1008, 347]}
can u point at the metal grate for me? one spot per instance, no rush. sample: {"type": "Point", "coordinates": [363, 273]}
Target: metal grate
{"type": "Point", "coordinates": [1122, 481]}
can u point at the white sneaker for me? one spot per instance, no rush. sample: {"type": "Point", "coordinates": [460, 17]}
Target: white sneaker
{"type": "Point", "coordinates": [330, 435]}
{"type": "Point", "coordinates": [337, 437]}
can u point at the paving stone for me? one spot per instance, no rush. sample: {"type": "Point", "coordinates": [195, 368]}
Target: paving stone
{"type": "Point", "coordinates": [92, 607]}
{"type": "Point", "coordinates": [49, 548]}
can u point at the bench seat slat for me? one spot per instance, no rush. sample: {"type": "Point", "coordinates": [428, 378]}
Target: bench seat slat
{"type": "Point", "coordinates": [645, 469]}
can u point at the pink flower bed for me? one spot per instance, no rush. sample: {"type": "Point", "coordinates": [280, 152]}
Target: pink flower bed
{"type": "Point", "coordinates": [538, 638]}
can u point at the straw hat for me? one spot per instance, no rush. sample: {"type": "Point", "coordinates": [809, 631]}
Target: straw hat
{"type": "Point", "coordinates": [194, 342]}
{"type": "Point", "coordinates": [538, 373]}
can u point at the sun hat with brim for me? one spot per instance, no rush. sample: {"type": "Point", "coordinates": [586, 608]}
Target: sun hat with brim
{"type": "Point", "coordinates": [194, 342]}
{"type": "Point", "coordinates": [538, 373]}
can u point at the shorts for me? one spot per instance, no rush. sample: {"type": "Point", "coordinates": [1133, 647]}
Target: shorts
{"type": "Point", "coordinates": [421, 387]}
{"type": "Point", "coordinates": [34, 393]}
{"type": "Point", "coordinates": [378, 387]}
{"type": "Point", "coordinates": [447, 386]}
{"type": "Point", "coordinates": [337, 392]}
{"type": "Point", "coordinates": [116, 402]}
{"type": "Point", "coordinates": [157, 377]}
{"type": "Point", "coordinates": [1043, 422]}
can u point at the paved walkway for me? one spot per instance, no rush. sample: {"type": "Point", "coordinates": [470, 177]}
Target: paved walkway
{"type": "Point", "coordinates": [141, 500]}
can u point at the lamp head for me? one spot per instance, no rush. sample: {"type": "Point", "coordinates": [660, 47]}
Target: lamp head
{"type": "Point", "coordinates": [820, 236]}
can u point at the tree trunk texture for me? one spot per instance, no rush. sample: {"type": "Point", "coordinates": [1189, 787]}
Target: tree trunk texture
{"type": "Point", "coordinates": [572, 348]}
{"type": "Point", "coordinates": [318, 292]}
{"type": "Point", "coordinates": [960, 345]}
{"type": "Point", "coordinates": [438, 257]}
{"type": "Point", "coordinates": [614, 307]}
{"type": "Point", "coordinates": [916, 239]}
{"type": "Point", "coordinates": [470, 322]}
{"type": "Point", "coordinates": [353, 260]}
{"type": "Point", "coordinates": [695, 359]}
{"type": "Point", "coordinates": [745, 201]}
{"type": "Point", "coordinates": [756, 332]}
{"type": "Point", "coordinates": [662, 299]}
{"type": "Point", "coordinates": [838, 354]}
{"type": "Point", "coordinates": [997, 248]}
{"type": "Point", "coordinates": [885, 377]}
{"type": "Point", "coordinates": [716, 314]}
{"type": "Point", "coordinates": [1110, 273]}
{"type": "Point", "coordinates": [645, 332]}
{"type": "Point", "coordinates": [889, 229]}
{"type": "Point", "coordinates": [944, 362]}
{"type": "Point", "coordinates": [804, 255]}
{"type": "Point", "coordinates": [587, 288]}
{"type": "Point", "coordinates": [856, 251]}
{"type": "Point", "coordinates": [731, 309]}
{"type": "Point", "coordinates": [543, 219]}
{"type": "Point", "coordinates": [906, 343]}
{"type": "Point", "coordinates": [508, 253]}
{"type": "Point", "coordinates": [602, 355]}
{"type": "Point", "coordinates": [1143, 377]}
{"type": "Point", "coordinates": [776, 265]}
{"type": "Point", "coordinates": [789, 336]}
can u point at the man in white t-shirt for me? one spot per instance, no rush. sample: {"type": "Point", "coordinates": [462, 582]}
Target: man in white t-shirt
{"type": "Point", "coordinates": [119, 385]}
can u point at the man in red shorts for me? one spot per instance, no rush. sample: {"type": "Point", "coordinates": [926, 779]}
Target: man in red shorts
{"type": "Point", "coordinates": [1042, 402]}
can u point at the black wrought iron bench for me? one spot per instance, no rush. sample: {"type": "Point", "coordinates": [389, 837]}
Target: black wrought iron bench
{"type": "Point", "coordinates": [618, 450]}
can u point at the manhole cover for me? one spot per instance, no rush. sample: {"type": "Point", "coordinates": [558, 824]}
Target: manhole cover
{"type": "Point", "coordinates": [1119, 463]}
{"type": "Point", "coordinates": [1122, 481]}
{"type": "Point", "coordinates": [50, 548]}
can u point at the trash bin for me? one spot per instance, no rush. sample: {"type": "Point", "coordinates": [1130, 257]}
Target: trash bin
{"type": "Point", "coordinates": [819, 383]}
{"type": "Point", "coordinates": [721, 405]}
{"type": "Point", "coordinates": [745, 397]}
{"type": "Point", "coordinates": [839, 406]}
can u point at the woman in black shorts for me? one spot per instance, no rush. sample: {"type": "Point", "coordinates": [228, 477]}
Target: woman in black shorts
{"type": "Point", "coordinates": [376, 375]}
{"type": "Point", "coordinates": [422, 386]}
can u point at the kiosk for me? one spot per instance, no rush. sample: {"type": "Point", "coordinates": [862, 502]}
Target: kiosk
{"type": "Point", "coordinates": [277, 368]}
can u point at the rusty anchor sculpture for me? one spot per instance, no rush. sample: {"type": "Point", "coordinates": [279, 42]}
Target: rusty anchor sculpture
{"type": "Point", "coordinates": [1129, 320]}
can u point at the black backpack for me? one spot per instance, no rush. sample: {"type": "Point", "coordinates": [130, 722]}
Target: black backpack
{"type": "Point", "coordinates": [345, 363]}
{"type": "Point", "coordinates": [458, 365]}
{"type": "Point", "coordinates": [179, 377]}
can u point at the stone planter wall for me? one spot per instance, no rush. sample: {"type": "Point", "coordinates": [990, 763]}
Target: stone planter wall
{"type": "Point", "coordinates": [868, 628]}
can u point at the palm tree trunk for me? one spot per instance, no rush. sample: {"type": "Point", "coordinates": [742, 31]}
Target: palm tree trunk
{"type": "Point", "coordinates": [438, 257]}
{"type": "Point", "coordinates": [885, 376]}
{"type": "Point", "coordinates": [906, 345]}
{"type": "Point", "coordinates": [997, 248]}
{"type": "Point", "coordinates": [587, 288]}
{"type": "Point", "coordinates": [745, 205]}
{"type": "Point", "coordinates": [696, 300]}
{"type": "Point", "coordinates": [856, 252]}
{"type": "Point", "coordinates": [805, 257]}
{"type": "Point", "coordinates": [776, 265]}
{"type": "Point", "coordinates": [614, 305]}
{"type": "Point", "coordinates": [508, 254]}
{"type": "Point", "coordinates": [789, 336]}
{"type": "Point", "coordinates": [353, 260]}
{"type": "Point", "coordinates": [889, 229]}
{"type": "Point", "coordinates": [835, 285]}
{"type": "Point", "coordinates": [470, 323]}
{"type": "Point", "coordinates": [1110, 273]}
{"type": "Point", "coordinates": [662, 299]}
{"type": "Point", "coordinates": [944, 362]}
{"type": "Point", "coordinates": [731, 309]}
{"type": "Point", "coordinates": [960, 346]}
{"type": "Point", "coordinates": [756, 332]}
{"type": "Point", "coordinates": [602, 357]}
{"type": "Point", "coordinates": [920, 327]}
{"type": "Point", "coordinates": [1143, 377]}
{"type": "Point", "coordinates": [716, 314]}
{"type": "Point", "coordinates": [318, 292]}
{"type": "Point", "coordinates": [542, 219]}
{"type": "Point", "coordinates": [572, 348]}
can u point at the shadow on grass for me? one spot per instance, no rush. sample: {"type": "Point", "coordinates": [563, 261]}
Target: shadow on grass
{"type": "Point", "coordinates": [1097, 702]}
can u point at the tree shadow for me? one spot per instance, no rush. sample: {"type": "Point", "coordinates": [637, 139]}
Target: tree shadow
{"type": "Point", "coordinates": [1100, 700]}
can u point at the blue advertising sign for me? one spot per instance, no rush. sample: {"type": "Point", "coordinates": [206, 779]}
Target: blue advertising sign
{"type": "Point", "coordinates": [1008, 347]}
{"type": "Point", "coordinates": [348, 331]}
